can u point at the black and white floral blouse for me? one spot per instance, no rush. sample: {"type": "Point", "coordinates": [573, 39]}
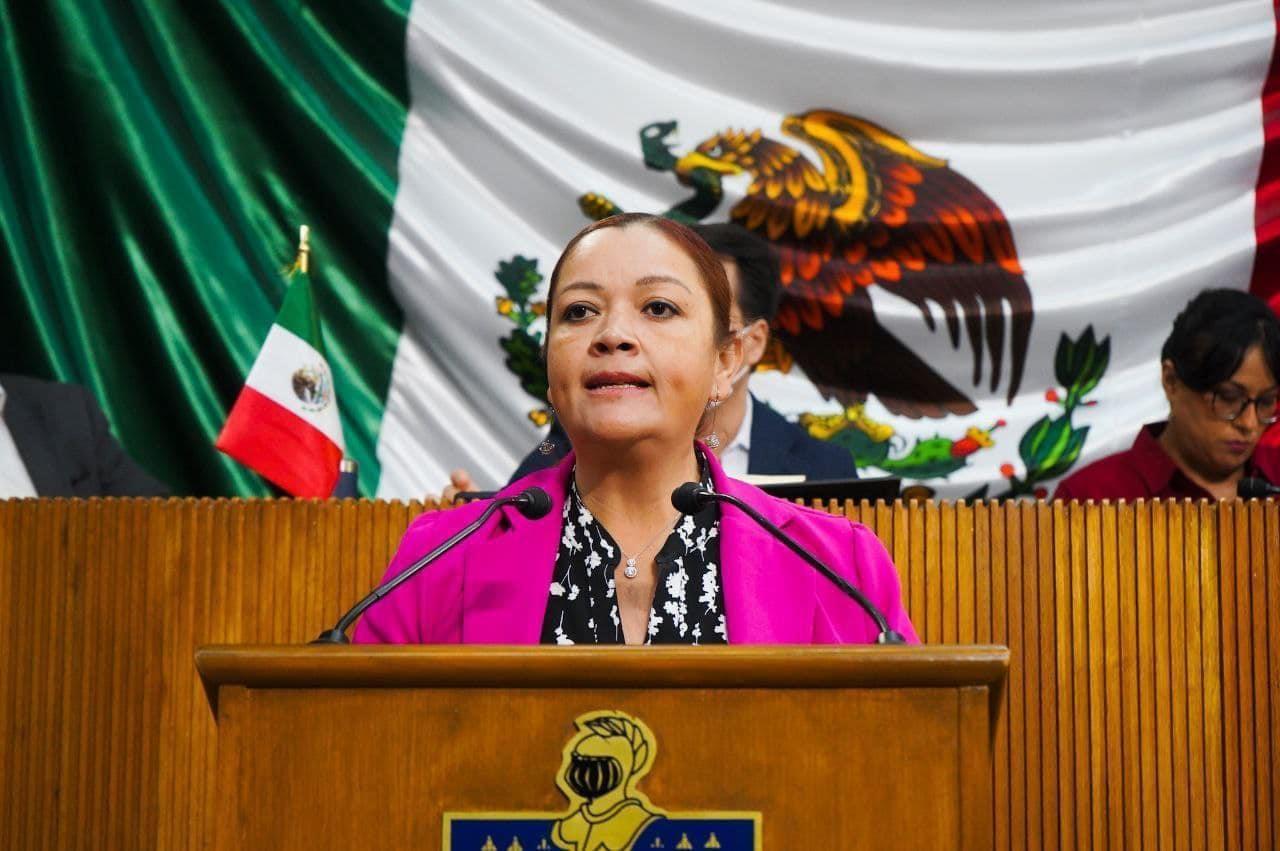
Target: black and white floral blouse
{"type": "Point", "coordinates": [688, 603]}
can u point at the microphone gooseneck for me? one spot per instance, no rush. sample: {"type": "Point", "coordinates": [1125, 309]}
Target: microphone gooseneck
{"type": "Point", "coordinates": [532, 502]}
{"type": "Point", "coordinates": [692, 497]}
{"type": "Point", "coordinates": [1256, 488]}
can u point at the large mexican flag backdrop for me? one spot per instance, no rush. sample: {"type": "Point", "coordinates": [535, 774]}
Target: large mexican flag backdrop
{"type": "Point", "coordinates": [988, 213]}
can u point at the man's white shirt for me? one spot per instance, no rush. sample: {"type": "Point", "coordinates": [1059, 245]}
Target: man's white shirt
{"type": "Point", "coordinates": [736, 457]}
{"type": "Point", "coordinates": [15, 481]}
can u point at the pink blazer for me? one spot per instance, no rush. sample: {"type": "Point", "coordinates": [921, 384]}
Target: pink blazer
{"type": "Point", "coordinates": [493, 588]}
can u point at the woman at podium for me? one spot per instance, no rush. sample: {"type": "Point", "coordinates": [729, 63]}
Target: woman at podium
{"type": "Point", "coordinates": [639, 352]}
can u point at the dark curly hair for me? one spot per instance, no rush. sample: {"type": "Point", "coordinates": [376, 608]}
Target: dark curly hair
{"type": "Point", "coordinates": [1214, 331]}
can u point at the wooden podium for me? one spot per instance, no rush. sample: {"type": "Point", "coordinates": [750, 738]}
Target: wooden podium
{"type": "Point", "coordinates": [472, 748]}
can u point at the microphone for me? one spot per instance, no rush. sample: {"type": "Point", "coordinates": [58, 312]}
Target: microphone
{"type": "Point", "coordinates": [692, 497]}
{"type": "Point", "coordinates": [532, 502]}
{"type": "Point", "coordinates": [1253, 487]}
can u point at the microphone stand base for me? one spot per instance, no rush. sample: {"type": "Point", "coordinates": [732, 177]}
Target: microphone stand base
{"type": "Point", "coordinates": [331, 636]}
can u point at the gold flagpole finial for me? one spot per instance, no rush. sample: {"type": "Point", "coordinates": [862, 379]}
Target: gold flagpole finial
{"type": "Point", "coordinates": [304, 249]}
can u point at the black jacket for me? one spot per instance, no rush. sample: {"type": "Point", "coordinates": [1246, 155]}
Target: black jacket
{"type": "Point", "coordinates": [778, 448]}
{"type": "Point", "coordinates": [66, 444]}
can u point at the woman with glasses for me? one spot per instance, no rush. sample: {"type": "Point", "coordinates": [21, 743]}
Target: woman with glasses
{"type": "Point", "coordinates": [1219, 369]}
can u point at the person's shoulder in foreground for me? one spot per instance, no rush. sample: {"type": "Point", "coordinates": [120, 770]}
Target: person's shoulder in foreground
{"type": "Point", "coordinates": [66, 442]}
{"type": "Point", "coordinates": [430, 608]}
{"type": "Point", "coordinates": [849, 548]}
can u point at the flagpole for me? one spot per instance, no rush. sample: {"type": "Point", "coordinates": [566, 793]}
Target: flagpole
{"type": "Point", "coordinates": [348, 469]}
{"type": "Point", "coordinates": [304, 250]}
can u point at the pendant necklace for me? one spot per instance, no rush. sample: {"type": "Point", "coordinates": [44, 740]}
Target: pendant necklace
{"type": "Point", "coordinates": [630, 570]}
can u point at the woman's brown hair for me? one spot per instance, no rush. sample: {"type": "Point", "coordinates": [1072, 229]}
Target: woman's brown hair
{"type": "Point", "coordinates": [693, 246]}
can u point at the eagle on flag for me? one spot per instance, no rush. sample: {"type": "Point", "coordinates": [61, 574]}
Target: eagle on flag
{"type": "Point", "coordinates": [878, 213]}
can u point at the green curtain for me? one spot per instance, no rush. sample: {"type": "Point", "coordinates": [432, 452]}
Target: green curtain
{"type": "Point", "coordinates": [158, 158]}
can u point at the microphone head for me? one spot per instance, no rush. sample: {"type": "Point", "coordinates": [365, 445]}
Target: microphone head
{"type": "Point", "coordinates": [533, 503]}
{"type": "Point", "coordinates": [689, 498]}
{"type": "Point", "coordinates": [1255, 488]}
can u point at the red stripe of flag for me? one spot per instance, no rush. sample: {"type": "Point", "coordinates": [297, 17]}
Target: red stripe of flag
{"type": "Point", "coordinates": [1265, 282]}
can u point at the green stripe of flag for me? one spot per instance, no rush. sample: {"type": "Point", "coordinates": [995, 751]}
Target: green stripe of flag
{"type": "Point", "coordinates": [158, 160]}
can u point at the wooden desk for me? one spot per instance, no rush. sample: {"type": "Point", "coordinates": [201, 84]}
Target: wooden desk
{"type": "Point", "coordinates": [1142, 707]}
{"type": "Point", "coordinates": [828, 747]}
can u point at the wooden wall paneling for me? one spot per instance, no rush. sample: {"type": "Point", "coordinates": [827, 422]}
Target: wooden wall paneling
{"type": "Point", "coordinates": [64, 561]}
{"type": "Point", "coordinates": [902, 557]}
{"type": "Point", "coordinates": [1003, 756]}
{"type": "Point", "coordinates": [1230, 667]}
{"type": "Point", "coordinates": [1078, 688]}
{"type": "Point", "coordinates": [932, 579]}
{"type": "Point", "coordinates": [124, 525]}
{"type": "Point", "coordinates": [1162, 688]}
{"type": "Point", "coordinates": [1127, 580]}
{"type": "Point", "coordinates": [916, 570]}
{"type": "Point", "coordinates": [1063, 615]}
{"type": "Point", "coordinates": [1047, 651]}
{"type": "Point", "coordinates": [95, 605]}
{"type": "Point", "coordinates": [208, 619]}
{"type": "Point", "coordinates": [8, 692]}
{"type": "Point", "coordinates": [966, 580]}
{"type": "Point", "coordinates": [1032, 622]}
{"type": "Point", "coordinates": [52, 567]}
{"type": "Point", "coordinates": [355, 586]}
{"type": "Point", "coordinates": [1195, 692]}
{"type": "Point", "coordinates": [1091, 685]}
{"type": "Point", "coordinates": [948, 574]}
{"type": "Point", "coordinates": [1211, 630]}
{"type": "Point", "coordinates": [981, 521]}
{"type": "Point", "coordinates": [1261, 672]}
{"type": "Point", "coordinates": [1177, 696]}
{"type": "Point", "coordinates": [1271, 556]}
{"type": "Point", "coordinates": [1017, 708]}
{"type": "Point", "coordinates": [322, 605]}
{"type": "Point", "coordinates": [1249, 792]}
{"type": "Point", "coordinates": [217, 626]}
{"type": "Point", "coordinates": [1142, 709]}
{"type": "Point", "coordinates": [1112, 697]}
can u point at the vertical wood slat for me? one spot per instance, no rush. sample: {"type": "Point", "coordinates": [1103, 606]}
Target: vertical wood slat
{"type": "Point", "coordinates": [1128, 617]}
{"type": "Point", "coordinates": [1231, 709]}
{"type": "Point", "coordinates": [1112, 695]}
{"type": "Point", "coordinates": [1064, 603]}
{"type": "Point", "coordinates": [1032, 622]}
{"type": "Point", "coordinates": [1143, 708]}
{"type": "Point", "coordinates": [1195, 695]}
{"type": "Point", "coordinates": [1263, 756]}
{"type": "Point", "coordinates": [1271, 570]}
{"type": "Point", "coordinates": [1017, 688]}
{"type": "Point", "coordinates": [1003, 779]}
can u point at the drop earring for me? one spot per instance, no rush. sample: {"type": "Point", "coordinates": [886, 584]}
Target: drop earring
{"type": "Point", "coordinates": [547, 446]}
{"type": "Point", "coordinates": [712, 440]}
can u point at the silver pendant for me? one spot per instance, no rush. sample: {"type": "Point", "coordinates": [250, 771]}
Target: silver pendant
{"type": "Point", "coordinates": [630, 570]}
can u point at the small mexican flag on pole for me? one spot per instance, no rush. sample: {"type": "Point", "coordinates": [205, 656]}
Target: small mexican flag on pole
{"type": "Point", "coordinates": [284, 424]}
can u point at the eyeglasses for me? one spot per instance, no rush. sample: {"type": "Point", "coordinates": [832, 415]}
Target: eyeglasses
{"type": "Point", "coordinates": [1229, 404]}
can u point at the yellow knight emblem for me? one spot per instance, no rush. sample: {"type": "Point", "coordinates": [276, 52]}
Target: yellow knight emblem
{"type": "Point", "coordinates": [601, 766]}
{"type": "Point", "coordinates": [599, 772]}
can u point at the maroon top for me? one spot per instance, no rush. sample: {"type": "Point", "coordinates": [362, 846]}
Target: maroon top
{"type": "Point", "coordinates": [1145, 471]}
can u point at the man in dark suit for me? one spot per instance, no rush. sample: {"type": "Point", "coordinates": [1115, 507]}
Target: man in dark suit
{"type": "Point", "coordinates": [55, 441]}
{"type": "Point", "coordinates": [754, 438]}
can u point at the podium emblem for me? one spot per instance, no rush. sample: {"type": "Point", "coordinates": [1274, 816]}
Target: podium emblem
{"type": "Point", "coordinates": [600, 771]}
